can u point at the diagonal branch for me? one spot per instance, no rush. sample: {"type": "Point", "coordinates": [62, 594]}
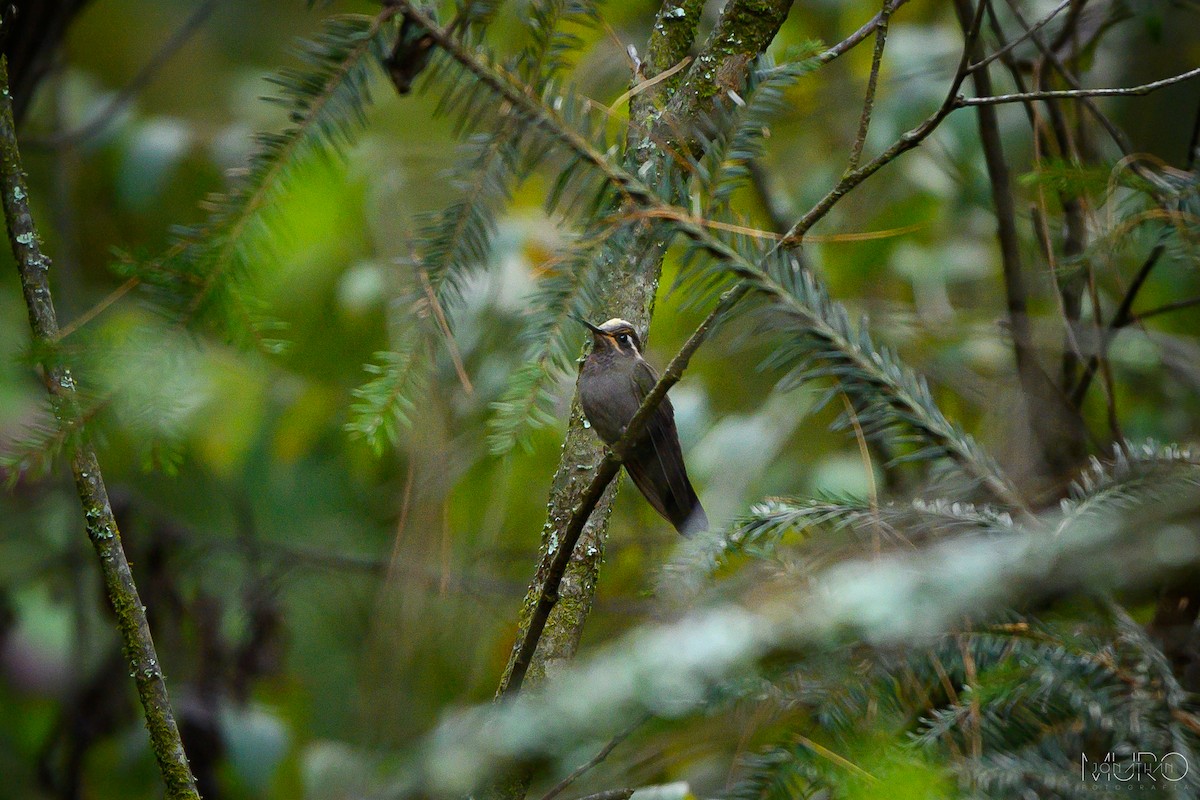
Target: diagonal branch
{"type": "Point", "coordinates": [136, 641]}
{"type": "Point", "coordinates": [602, 754]}
{"type": "Point", "coordinates": [908, 141]}
{"type": "Point", "coordinates": [144, 77]}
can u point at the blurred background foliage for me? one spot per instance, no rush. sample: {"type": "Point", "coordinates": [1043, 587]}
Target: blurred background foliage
{"type": "Point", "coordinates": [319, 603]}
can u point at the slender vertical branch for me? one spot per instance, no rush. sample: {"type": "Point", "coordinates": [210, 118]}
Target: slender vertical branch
{"type": "Point", "coordinates": [137, 644]}
{"type": "Point", "coordinates": [912, 138]}
{"type": "Point", "coordinates": [864, 121]}
{"type": "Point", "coordinates": [1056, 432]}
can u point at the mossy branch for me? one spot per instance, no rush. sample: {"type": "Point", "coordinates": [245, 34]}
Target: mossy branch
{"type": "Point", "coordinates": [136, 642]}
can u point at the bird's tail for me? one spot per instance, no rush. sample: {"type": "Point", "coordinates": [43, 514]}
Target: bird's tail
{"type": "Point", "coordinates": [695, 521]}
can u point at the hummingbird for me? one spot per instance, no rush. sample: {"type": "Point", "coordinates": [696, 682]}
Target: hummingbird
{"type": "Point", "coordinates": [613, 382]}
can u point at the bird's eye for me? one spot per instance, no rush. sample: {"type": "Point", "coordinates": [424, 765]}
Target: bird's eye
{"type": "Point", "coordinates": [623, 338]}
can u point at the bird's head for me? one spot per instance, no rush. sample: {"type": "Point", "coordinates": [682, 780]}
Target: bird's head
{"type": "Point", "coordinates": [616, 335]}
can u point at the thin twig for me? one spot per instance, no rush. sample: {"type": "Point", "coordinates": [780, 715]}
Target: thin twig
{"type": "Point", "coordinates": [1122, 317]}
{"type": "Point", "coordinates": [1036, 386]}
{"type": "Point", "coordinates": [607, 470]}
{"type": "Point", "coordinates": [136, 641]}
{"type": "Point", "coordinates": [444, 327]}
{"type": "Point", "coordinates": [1069, 94]}
{"type": "Point", "coordinates": [610, 794]}
{"type": "Point", "coordinates": [129, 91]}
{"type": "Point", "coordinates": [1029, 32]}
{"type": "Point", "coordinates": [643, 85]}
{"type": "Point", "coordinates": [562, 785]}
{"type": "Point", "coordinates": [635, 191]}
{"type": "Point", "coordinates": [856, 38]}
{"type": "Point", "coordinates": [99, 308]}
{"type": "Point", "coordinates": [1051, 56]}
{"type": "Point", "coordinates": [850, 180]}
{"type": "Point", "coordinates": [864, 453]}
{"type": "Point", "coordinates": [1166, 308]}
{"type": "Point", "coordinates": [1067, 292]}
{"type": "Point", "coordinates": [864, 121]}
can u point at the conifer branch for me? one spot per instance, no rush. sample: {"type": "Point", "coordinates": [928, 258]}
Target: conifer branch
{"type": "Point", "coordinates": [325, 107]}
{"type": "Point", "coordinates": [136, 641]}
{"type": "Point", "coordinates": [896, 387]}
{"type": "Point", "coordinates": [629, 276]}
{"type": "Point", "coordinates": [893, 382]}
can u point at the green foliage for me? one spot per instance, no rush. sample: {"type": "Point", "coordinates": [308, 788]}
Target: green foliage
{"type": "Point", "coordinates": [251, 500]}
{"type": "Point", "coordinates": [455, 242]}
{"type": "Point", "coordinates": [738, 126]}
{"type": "Point", "coordinates": [552, 338]}
{"type": "Point", "coordinates": [34, 453]}
{"type": "Point", "coordinates": [1010, 707]}
{"type": "Point", "coordinates": [206, 280]}
{"type": "Point", "coordinates": [382, 406]}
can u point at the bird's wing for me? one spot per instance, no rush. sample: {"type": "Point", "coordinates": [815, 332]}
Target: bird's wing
{"type": "Point", "coordinates": [662, 444]}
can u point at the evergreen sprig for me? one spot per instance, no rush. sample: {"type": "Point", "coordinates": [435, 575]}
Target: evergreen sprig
{"type": "Point", "coordinates": [736, 130]}
{"type": "Point", "coordinates": [383, 406]}
{"type": "Point", "coordinates": [551, 338]}
{"type": "Point", "coordinates": [205, 278]}
{"type": "Point", "coordinates": [455, 243]}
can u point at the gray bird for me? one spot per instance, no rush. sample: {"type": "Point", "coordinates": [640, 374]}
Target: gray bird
{"type": "Point", "coordinates": [612, 384]}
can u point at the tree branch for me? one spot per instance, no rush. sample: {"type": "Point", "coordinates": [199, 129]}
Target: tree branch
{"type": "Point", "coordinates": [149, 71]}
{"type": "Point", "coordinates": [136, 641]}
{"type": "Point", "coordinates": [852, 178]}
{"type": "Point", "coordinates": [569, 522]}
{"type": "Point", "coordinates": [562, 785]}
{"type": "Point", "coordinates": [1069, 94]}
{"type": "Point", "coordinates": [631, 280]}
{"type": "Point", "coordinates": [610, 794]}
{"type": "Point", "coordinates": [1058, 432]}
{"type": "Point", "coordinates": [562, 549]}
{"type": "Point", "coordinates": [864, 121]}
{"type": "Point", "coordinates": [1165, 308]}
{"type": "Point", "coordinates": [1006, 48]}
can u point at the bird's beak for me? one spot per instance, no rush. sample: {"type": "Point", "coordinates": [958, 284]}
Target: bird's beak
{"type": "Point", "coordinates": [594, 329]}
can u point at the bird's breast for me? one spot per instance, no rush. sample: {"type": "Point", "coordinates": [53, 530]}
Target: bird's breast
{"type": "Point", "coordinates": [608, 399]}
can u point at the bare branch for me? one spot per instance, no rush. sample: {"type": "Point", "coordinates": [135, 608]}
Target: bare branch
{"type": "Point", "coordinates": [1058, 433]}
{"type": "Point", "coordinates": [610, 794]}
{"type": "Point", "coordinates": [1069, 94]}
{"type": "Point", "coordinates": [129, 91]}
{"type": "Point", "coordinates": [795, 236]}
{"type": "Point", "coordinates": [1029, 33]}
{"type": "Point", "coordinates": [864, 121]}
{"type": "Point", "coordinates": [1165, 308]}
{"type": "Point", "coordinates": [860, 35]}
{"type": "Point", "coordinates": [562, 785]}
